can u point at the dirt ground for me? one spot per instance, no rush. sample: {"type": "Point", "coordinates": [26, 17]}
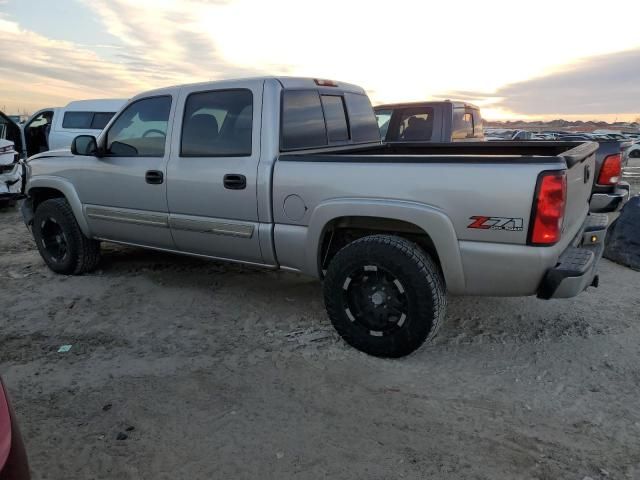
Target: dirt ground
{"type": "Point", "coordinates": [218, 371]}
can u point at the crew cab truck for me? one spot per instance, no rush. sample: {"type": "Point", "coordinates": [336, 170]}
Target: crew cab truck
{"type": "Point", "coordinates": [438, 122]}
{"type": "Point", "coordinates": [290, 173]}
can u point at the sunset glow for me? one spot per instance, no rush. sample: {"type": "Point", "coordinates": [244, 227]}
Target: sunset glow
{"type": "Point", "coordinates": [402, 51]}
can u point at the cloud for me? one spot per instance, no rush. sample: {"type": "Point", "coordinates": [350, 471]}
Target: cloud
{"type": "Point", "coordinates": [156, 47]}
{"type": "Point", "coordinates": [605, 84]}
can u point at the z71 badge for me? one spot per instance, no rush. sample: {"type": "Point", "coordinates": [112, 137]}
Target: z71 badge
{"type": "Point", "coordinates": [497, 223]}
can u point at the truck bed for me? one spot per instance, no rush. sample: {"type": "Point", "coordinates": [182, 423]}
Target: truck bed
{"type": "Point", "coordinates": [448, 185]}
{"type": "Point", "coordinates": [477, 152]}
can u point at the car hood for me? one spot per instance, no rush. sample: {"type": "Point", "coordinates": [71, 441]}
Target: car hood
{"type": "Point", "coordinates": [63, 152]}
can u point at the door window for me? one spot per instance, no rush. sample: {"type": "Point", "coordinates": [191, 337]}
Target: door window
{"type": "Point", "coordinates": [416, 124]}
{"type": "Point", "coordinates": [141, 129]}
{"type": "Point", "coordinates": [37, 133]}
{"type": "Point", "coordinates": [217, 124]}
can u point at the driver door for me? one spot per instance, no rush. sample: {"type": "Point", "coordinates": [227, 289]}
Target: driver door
{"type": "Point", "coordinates": [123, 191]}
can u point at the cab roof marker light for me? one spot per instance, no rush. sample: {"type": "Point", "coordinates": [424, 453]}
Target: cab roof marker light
{"type": "Point", "coordinates": [325, 83]}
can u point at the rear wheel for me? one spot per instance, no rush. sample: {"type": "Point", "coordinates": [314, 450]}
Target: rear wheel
{"type": "Point", "coordinates": [384, 295]}
{"type": "Point", "coordinates": [61, 243]}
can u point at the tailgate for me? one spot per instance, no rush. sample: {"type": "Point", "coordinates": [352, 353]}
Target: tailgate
{"type": "Point", "coordinates": [580, 177]}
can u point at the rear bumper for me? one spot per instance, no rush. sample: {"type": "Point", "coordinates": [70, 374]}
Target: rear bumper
{"type": "Point", "coordinates": [610, 202]}
{"type": "Point", "coordinates": [576, 268]}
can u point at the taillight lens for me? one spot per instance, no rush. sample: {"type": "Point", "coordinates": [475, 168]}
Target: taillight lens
{"type": "Point", "coordinates": [611, 170]}
{"type": "Point", "coordinates": [549, 206]}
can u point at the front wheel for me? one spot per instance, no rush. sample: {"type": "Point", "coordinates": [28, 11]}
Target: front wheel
{"type": "Point", "coordinates": [62, 245]}
{"type": "Point", "coordinates": [385, 296]}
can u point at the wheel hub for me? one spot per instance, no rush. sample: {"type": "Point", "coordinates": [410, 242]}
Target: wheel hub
{"type": "Point", "coordinates": [375, 299]}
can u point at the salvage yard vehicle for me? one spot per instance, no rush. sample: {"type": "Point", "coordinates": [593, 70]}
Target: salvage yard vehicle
{"type": "Point", "coordinates": [10, 173]}
{"type": "Point", "coordinates": [55, 128]}
{"type": "Point", "coordinates": [291, 173]}
{"type": "Point", "coordinates": [444, 121]}
{"type": "Point", "coordinates": [13, 458]}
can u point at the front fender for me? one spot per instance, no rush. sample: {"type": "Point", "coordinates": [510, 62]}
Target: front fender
{"type": "Point", "coordinates": [68, 190]}
{"type": "Point", "coordinates": [430, 219]}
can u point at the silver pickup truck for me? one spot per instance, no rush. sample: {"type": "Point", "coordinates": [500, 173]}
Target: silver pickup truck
{"type": "Point", "coordinates": [290, 173]}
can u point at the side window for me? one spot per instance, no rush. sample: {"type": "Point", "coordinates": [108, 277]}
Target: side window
{"type": "Point", "coordinates": [217, 124]}
{"type": "Point", "coordinates": [335, 117]}
{"type": "Point", "coordinates": [416, 124]}
{"type": "Point", "coordinates": [478, 127]}
{"type": "Point", "coordinates": [86, 120]}
{"type": "Point", "coordinates": [100, 120]}
{"type": "Point", "coordinates": [141, 129]}
{"type": "Point", "coordinates": [77, 120]}
{"type": "Point", "coordinates": [302, 120]}
{"type": "Point", "coordinates": [463, 124]}
{"type": "Point", "coordinates": [383, 117]}
{"type": "Point", "coordinates": [364, 126]}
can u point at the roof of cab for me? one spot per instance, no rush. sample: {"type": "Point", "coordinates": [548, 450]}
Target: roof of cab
{"type": "Point", "coordinates": [293, 83]}
{"type": "Point", "coordinates": [453, 103]}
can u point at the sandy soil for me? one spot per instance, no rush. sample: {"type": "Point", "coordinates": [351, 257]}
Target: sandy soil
{"type": "Point", "coordinates": [218, 371]}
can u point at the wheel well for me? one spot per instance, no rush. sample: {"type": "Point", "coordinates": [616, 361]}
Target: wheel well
{"type": "Point", "coordinates": [341, 231]}
{"type": "Point", "coordinates": [40, 194]}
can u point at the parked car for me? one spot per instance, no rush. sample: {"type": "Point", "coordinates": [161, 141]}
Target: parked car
{"type": "Point", "coordinates": [508, 135]}
{"type": "Point", "coordinates": [10, 173]}
{"type": "Point", "coordinates": [634, 150]}
{"type": "Point", "coordinates": [13, 457]}
{"type": "Point", "coordinates": [55, 128]}
{"type": "Point", "coordinates": [444, 121]}
{"type": "Point", "coordinates": [291, 173]}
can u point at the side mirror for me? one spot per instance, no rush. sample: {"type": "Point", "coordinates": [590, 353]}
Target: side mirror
{"type": "Point", "coordinates": [84, 145]}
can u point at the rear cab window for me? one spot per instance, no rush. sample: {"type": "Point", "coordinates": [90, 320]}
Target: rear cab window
{"type": "Point", "coordinates": [384, 118]}
{"type": "Point", "coordinates": [463, 125]}
{"type": "Point", "coordinates": [312, 119]}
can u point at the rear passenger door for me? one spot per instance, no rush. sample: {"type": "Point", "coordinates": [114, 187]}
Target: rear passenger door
{"type": "Point", "coordinates": [212, 172]}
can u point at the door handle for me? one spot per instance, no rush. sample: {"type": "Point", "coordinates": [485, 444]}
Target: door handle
{"type": "Point", "coordinates": [154, 177]}
{"type": "Point", "coordinates": [235, 181]}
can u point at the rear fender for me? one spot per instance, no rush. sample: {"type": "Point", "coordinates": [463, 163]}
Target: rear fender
{"type": "Point", "coordinates": [430, 219]}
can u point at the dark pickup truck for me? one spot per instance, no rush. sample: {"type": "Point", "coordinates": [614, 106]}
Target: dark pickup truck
{"type": "Point", "coordinates": [610, 193]}
{"type": "Point", "coordinates": [435, 122]}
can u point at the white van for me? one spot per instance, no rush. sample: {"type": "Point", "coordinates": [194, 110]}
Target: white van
{"type": "Point", "coordinates": [47, 129]}
{"type": "Point", "coordinates": [55, 128]}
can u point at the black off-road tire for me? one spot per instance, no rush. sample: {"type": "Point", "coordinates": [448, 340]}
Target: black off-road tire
{"type": "Point", "coordinates": [82, 253]}
{"type": "Point", "coordinates": [421, 290]}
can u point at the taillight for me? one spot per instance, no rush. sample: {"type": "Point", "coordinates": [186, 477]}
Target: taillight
{"type": "Point", "coordinates": [611, 170]}
{"type": "Point", "coordinates": [548, 211]}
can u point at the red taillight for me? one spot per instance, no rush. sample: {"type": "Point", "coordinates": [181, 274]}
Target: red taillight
{"type": "Point", "coordinates": [549, 206]}
{"type": "Point", "coordinates": [611, 170]}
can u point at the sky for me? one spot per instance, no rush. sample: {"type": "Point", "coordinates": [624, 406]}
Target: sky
{"type": "Point", "coordinates": [535, 60]}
